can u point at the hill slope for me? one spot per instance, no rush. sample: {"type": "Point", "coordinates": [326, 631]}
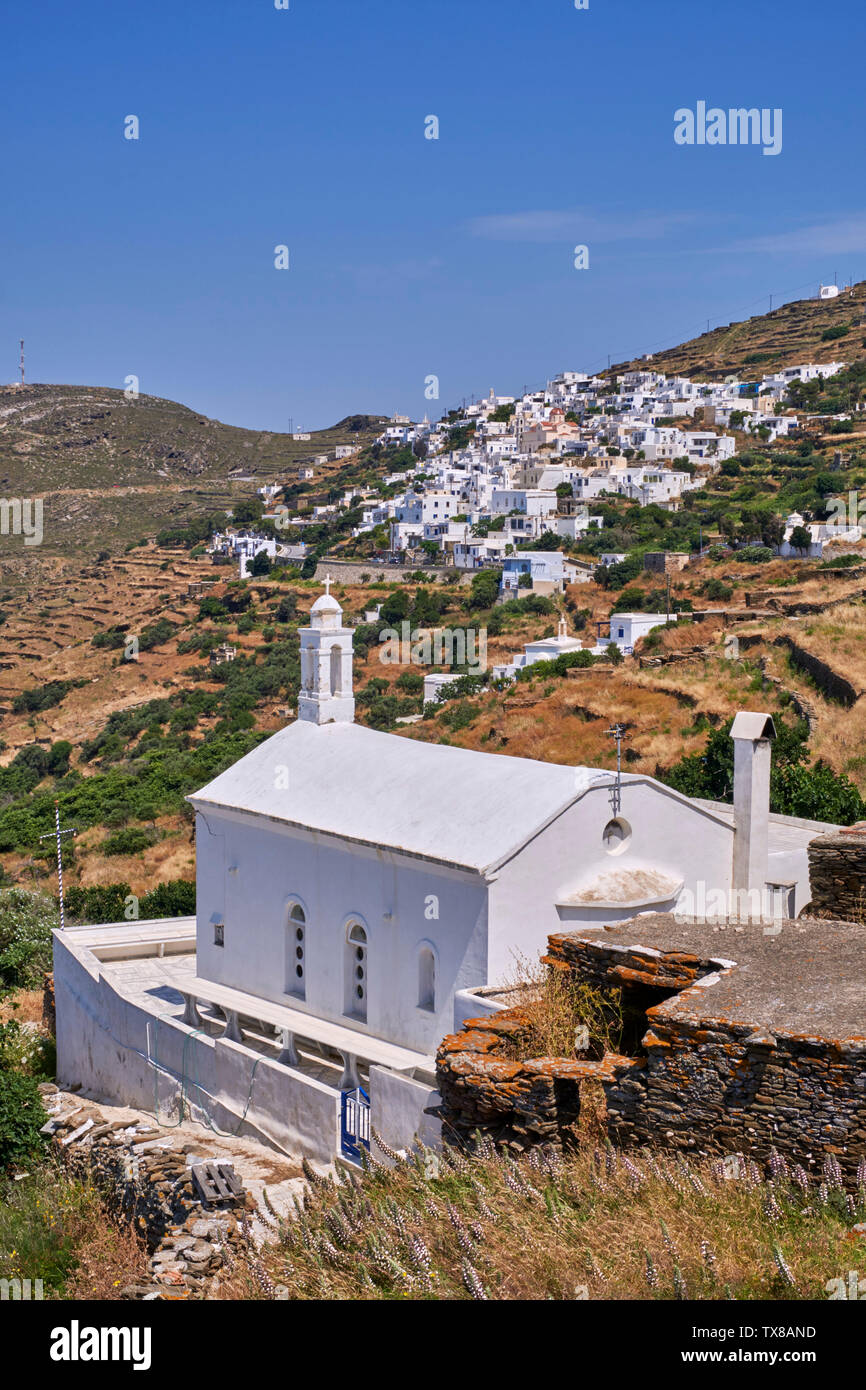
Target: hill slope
{"type": "Point", "coordinates": [113, 470]}
{"type": "Point", "coordinates": [757, 346]}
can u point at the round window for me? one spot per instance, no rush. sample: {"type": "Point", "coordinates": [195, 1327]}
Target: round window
{"type": "Point", "coordinates": [616, 835]}
{"type": "Point", "coordinates": [359, 992]}
{"type": "Point", "coordinates": [299, 970]}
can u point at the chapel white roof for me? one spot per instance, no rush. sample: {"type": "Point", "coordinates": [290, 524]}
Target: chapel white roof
{"type": "Point", "coordinates": [448, 805]}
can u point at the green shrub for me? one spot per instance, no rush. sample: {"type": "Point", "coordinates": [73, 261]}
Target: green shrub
{"type": "Point", "coordinates": [104, 902]}
{"type": "Point", "coordinates": [130, 841]}
{"type": "Point", "coordinates": [174, 899]}
{"type": "Point", "coordinates": [41, 697]}
{"type": "Point", "coordinates": [410, 682]}
{"type": "Point", "coordinates": [484, 589]}
{"type": "Point", "coordinates": [26, 922]}
{"type": "Point", "coordinates": [21, 1117]}
{"type": "Point", "coordinates": [112, 638]}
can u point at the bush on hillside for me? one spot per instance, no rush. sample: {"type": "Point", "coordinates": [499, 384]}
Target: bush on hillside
{"type": "Point", "coordinates": [21, 1117]}
{"type": "Point", "coordinates": [26, 922]}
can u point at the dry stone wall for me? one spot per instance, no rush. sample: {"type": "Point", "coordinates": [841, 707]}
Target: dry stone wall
{"type": "Point", "coordinates": [516, 1104]}
{"type": "Point", "coordinates": [709, 1085]}
{"type": "Point", "coordinates": [837, 872]}
{"type": "Point", "coordinates": [828, 681]}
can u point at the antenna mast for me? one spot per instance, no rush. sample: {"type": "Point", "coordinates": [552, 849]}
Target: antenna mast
{"type": "Point", "coordinates": [21, 360]}
{"type": "Point", "coordinates": [617, 732]}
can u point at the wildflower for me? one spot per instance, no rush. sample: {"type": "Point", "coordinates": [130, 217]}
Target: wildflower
{"type": "Point", "coordinates": [832, 1171]}
{"type": "Point", "coordinates": [772, 1210]}
{"type": "Point", "coordinates": [778, 1166]}
{"type": "Point", "coordinates": [386, 1148]}
{"type": "Point", "coordinates": [651, 1272]}
{"type": "Point", "coordinates": [668, 1242]}
{"type": "Point", "coordinates": [679, 1283]}
{"type": "Point", "coordinates": [783, 1267]}
{"type": "Point", "coordinates": [473, 1282]}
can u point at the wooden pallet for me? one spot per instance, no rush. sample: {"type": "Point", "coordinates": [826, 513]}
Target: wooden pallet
{"type": "Point", "coordinates": [217, 1182]}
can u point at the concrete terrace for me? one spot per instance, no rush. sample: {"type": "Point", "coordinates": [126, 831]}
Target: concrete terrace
{"type": "Point", "coordinates": [152, 965]}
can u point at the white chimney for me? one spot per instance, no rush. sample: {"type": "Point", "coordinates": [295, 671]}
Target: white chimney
{"type": "Point", "coordinates": [752, 735]}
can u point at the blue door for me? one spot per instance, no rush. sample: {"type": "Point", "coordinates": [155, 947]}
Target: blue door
{"type": "Point", "coordinates": [355, 1123]}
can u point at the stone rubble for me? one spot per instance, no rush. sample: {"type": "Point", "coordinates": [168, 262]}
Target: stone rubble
{"type": "Point", "coordinates": [145, 1178]}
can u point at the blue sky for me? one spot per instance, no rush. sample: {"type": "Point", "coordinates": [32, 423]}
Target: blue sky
{"type": "Point", "coordinates": [408, 257]}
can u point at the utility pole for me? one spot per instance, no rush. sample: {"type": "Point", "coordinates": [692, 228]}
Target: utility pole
{"type": "Point", "coordinates": [58, 834]}
{"type": "Point", "coordinates": [668, 600]}
{"type": "Point", "coordinates": [21, 360]}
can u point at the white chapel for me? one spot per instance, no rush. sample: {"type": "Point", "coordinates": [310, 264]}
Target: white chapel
{"type": "Point", "coordinates": [372, 879]}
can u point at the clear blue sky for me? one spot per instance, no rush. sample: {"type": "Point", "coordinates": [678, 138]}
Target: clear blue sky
{"type": "Point", "coordinates": [409, 257]}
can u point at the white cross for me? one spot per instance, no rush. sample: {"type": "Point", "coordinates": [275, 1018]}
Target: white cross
{"type": "Point", "coordinates": [327, 584]}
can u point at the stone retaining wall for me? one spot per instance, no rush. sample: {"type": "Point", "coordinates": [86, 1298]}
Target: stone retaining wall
{"type": "Point", "coordinates": [350, 571]}
{"type": "Point", "coordinates": [828, 681]}
{"type": "Point", "coordinates": [516, 1104]}
{"type": "Point", "coordinates": [715, 1087]}
{"type": "Point", "coordinates": [837, 872]}
{"type": "Point", "coordinates": [710, 1085]}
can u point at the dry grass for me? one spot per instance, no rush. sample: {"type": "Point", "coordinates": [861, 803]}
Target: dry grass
{"type": "Point", "coordinates": [557, 1007]}
{"type": "Point", "coordinates": [25, 1006]}
{"type": "Point", "coordinates": [838, 638]}
{"type": "Point", "coordinates": [58, 1230]}
{"type": "Point", "coordinates": [617, 1225]}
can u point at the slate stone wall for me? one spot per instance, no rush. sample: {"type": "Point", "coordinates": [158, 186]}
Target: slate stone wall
{"type": "Point", "coordinates": [711, 1086]}
{"type": "Point", "coordinates": [837, 873]}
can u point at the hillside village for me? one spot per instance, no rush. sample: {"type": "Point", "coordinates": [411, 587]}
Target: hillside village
{"type": "Point", "coordinates": [507, 471]}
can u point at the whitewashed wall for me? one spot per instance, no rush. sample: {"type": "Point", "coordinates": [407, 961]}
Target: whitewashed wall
{"type": "Point", "coordinates": [276, 865]}
{"type": "Point", "coordinates": [668, 834]}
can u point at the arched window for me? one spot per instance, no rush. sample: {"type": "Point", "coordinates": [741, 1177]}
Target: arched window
{"type": "Point", "coordinates": [336, 670]}
{"type": "Point", "coordinates": [356, 971]}
{"type": "Point", "coordinates": [296, 944]}
{"type": "Point", "coordinates": [426, 979]}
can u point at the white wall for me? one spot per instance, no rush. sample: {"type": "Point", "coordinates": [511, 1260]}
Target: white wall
{"type": "Point", "coordinates": [397, 1106]}
{"type": "Point", "coordinates": [668, 834]}
{"type": "Point", "coordinates": [276, 864]}
{"type": "Point", "coordinates": [118, 1051]}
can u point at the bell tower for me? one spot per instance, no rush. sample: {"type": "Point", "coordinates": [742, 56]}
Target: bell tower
{"type": "Point", "coordinates": [326, 665]}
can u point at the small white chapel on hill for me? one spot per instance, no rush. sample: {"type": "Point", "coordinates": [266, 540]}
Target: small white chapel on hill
{"type": "Point", "coordinates": [371, 878]}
